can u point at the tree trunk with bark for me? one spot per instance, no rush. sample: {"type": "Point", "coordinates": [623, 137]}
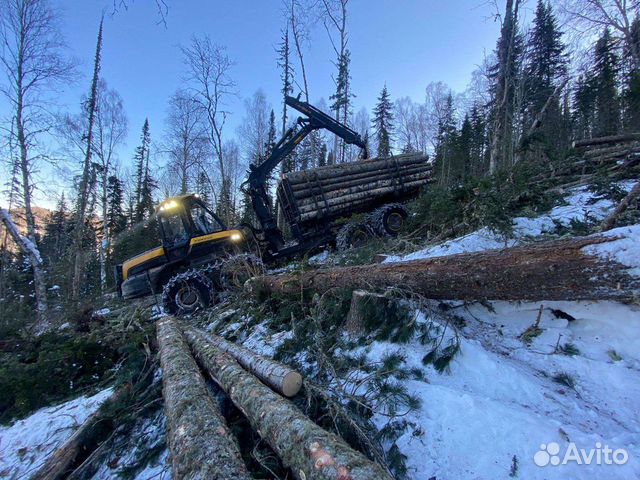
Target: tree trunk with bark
{"type": "Point", "coordinates": [557, 270]}
{"type": "Point", "coordinates": [201, 444]}
{"type": "Point", "coordinates": [309, 451]}
{"type": "Point", "coordinates": [632, 196]}
{"type": "Point", "coordinates": [279, 377]}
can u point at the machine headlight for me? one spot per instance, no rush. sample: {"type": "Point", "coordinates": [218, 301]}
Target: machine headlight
{"type": "Point", "coordinates": [236, 237]}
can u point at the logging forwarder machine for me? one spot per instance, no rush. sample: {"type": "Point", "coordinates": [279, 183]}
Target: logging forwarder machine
{"type": "Point", "coordinates": [200, 256]}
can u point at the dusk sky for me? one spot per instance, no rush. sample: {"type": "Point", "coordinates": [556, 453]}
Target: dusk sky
{"type": "Point", "coordinates": [404, 43]}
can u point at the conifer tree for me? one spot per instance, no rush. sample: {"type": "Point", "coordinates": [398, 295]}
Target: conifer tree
{"type": "Point", "coordinates": [545, 66]}
{"type": "Point", "coordinates": [382, 123]}
{"type": "Point", "coordinates": [141, 158]}
{"type": "Point", "coordinates": [505, 77]}
{"type": "Point", "coordinates": [445, 151]}
{"type": "Point", "coordinates": [607, 102]}
{"type": "Point", "coordinates": [286, 74]}
{"type": "Point", "coordinates": [342, 99]}
{"type": "Point", "coordinates": [584, 102]}
{"type": "Point", "coordinates": [632, 81]}
{"type": "Point", "coordinates": [116, 217]}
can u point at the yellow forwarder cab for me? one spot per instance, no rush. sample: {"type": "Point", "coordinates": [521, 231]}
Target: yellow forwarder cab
{"type": "Point", "coordinates": [198, 254]}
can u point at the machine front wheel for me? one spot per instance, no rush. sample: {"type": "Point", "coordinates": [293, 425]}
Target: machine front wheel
{"type": "Point", "coordinates": [187, 293]}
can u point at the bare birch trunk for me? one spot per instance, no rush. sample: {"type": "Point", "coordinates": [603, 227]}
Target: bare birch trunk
{"type": "Point", "coordinates": [201, 444]}
{"type": "Point", "coordinates": [309, 451]}
{"type": "Point", "coordinates": [30, 249]}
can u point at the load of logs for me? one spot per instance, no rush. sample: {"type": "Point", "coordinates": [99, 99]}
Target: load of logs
{"type": "Point", "coordinates": [616, 157]}
{"type": "Point", "coordinates": [201, 443]}
{"type": "Point", "coordinates": [339, 190]}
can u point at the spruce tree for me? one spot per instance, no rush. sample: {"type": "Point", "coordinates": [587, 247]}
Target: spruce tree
{"type": "Point", "coordinates": [116, 217]}
{"type": "Point", "coordinates": [607, 102]}
{"type": "Point", "coordinates": [140, 158]}
{"type": "Point", "coordinates": [505, 78]}
{"type": "Point", "coordinates": [478, 151]}
{"type": "Point", "coordinates": [631, 93]}
{"type": "Point", "coordinates": [545, 66]}
{"type": "Point", "coordinates": [342, 100]}
{"type": "Point", "coordinates": [444, 162]}
{"type": "Point", "coordinates": [382, 123]}
{"type": "Point", "coordinates": [145, 184]}
{"type": "Point", "coordinates": [584, 106]}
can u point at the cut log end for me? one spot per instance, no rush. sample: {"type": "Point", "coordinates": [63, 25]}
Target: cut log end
{"type": "Point", "coordinates": [291, 384]}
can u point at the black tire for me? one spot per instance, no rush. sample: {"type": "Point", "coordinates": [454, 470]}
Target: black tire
{"type": "Point", "coordinates": [236, 270]}
{"type": "Point", "coordinates": [187, 293]}
{"type": "Point", "coordinates": [353, 235]}
{"type": "Point", "coordinates": [388, 220]}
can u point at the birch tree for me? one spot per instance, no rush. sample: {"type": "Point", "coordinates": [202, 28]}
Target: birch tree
{"type": "Point", "coordinates": [208, 73]}
{"type": "Point", "coordinates": [185, 139]}
{"type": "Point", "coordinates": [32, 57]}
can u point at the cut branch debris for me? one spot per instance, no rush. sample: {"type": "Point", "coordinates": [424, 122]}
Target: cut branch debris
{"type": "Point", "coordinates": [556, 270]}
{"type": "Point", "coordinates": [309, 451]}
{"type": "Point", "coordinates": [201, 445]}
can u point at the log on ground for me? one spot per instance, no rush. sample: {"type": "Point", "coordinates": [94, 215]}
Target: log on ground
{"type": "Point", "coordinates": [95, 429]}
{"type": "Point", "coordinates": [309, 451]}
{"type": "Point", "coordinates": [556, 270]}
{"type": "Point", "coordinates": [201, 445]}
{"type": "Point", "coordinates": [279, 377]}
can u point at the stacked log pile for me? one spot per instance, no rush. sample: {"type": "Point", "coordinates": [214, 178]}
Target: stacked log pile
{"type": "Point", "coordinates": [201, 444]}
{"type": "Point", "coordinates": [616, 156]}
{"type": "Point", "coordinates": [338, 190]}
{"type": "Point", "coordinates": [309, 451]}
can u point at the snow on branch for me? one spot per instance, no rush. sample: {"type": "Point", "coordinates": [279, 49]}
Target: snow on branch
{"type": "Point", "coordinates": [26, 245]}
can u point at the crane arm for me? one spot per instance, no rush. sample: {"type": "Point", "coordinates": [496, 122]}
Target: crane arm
{"type": "Point", "coordinates": [259, 174]}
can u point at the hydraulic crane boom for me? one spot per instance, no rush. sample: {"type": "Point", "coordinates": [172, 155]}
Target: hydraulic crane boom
{"type": "Point", "coordinates": [259, 174]}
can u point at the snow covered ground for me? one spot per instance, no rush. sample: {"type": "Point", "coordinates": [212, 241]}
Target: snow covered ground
{"type": "Point", "coordinates": [511, 410]}
{"type": "Point", "coordinates": [25, 445]}
{"type": "Point", "coordinates": [580, 205]}
{"type": "Point", "coordinates": [500, 401]}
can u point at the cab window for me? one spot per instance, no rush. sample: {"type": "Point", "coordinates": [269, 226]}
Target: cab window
{"type": "Point", "coordinates": [174, 230]}
{"type": "Point", "coordinates": [203, 221]}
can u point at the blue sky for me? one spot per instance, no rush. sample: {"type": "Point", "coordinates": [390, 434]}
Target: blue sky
{"type": "Point", "coordinates": [403, 43]}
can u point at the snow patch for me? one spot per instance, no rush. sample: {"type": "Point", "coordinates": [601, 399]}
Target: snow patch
{"type": "Point", "coordinates": [624, 250]}
{"type": "Point", "coordinates": [500, 400]}
{"type": "Point", "coordinates": [580, 205]}
{"type": "Point", "coordinates": [25, 445]}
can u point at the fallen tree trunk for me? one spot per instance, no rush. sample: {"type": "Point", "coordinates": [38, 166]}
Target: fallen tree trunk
{"type": "Point", "coordinates": [309, 451]}
{"type": "Point", "coordinates": [588, 142]}
{"type": "Point", "coordinates": [94, 429]}
{"type": "Point", "coordinates": [201, 445]}
{"type": "Point", "coordinates": [281, 378]}
{"type": "Point", "coordinates": [557, 270]}
{"type": "Point", "coordinates": [610, 221]}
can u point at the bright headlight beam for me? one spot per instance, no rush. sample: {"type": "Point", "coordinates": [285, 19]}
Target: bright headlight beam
{"type": "Point", "coordinates": [236, 237]}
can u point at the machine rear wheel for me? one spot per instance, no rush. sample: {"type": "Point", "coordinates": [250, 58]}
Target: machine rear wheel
{"type": "Point", "coordinates": [188, 292]}
{"type": "Point", "coordinates": [388, 220]}
{"type": "Point", "coordinates": [353, 235]}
